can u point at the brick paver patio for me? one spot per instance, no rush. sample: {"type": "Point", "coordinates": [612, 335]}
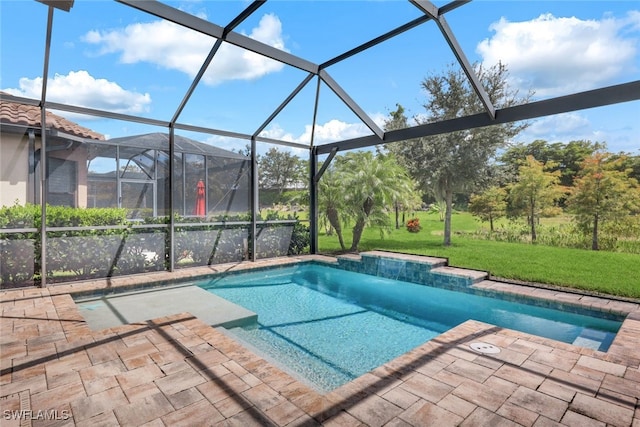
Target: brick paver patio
{"type": "Point", "coordinates": [178, 371]}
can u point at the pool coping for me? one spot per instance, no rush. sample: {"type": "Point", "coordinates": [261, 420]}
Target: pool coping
{"type": "Point", "coordinates": [533, 379]}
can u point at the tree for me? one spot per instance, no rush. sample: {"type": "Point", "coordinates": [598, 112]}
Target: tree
{"type": "Point", "coordinates": [413, 199]}
{"type": "Point", "coordinates": [571, 158]}
{"type": "Point", "coordinates": [603, 192]}
{"type": "Point", "coordinates": [489, 205]}
{"type": "Point", "coordinates": [373, 183]}
{"type": "Point", "coordinates": [567, 158]}
{"type": "Point", "coordinates": [397, 119]}
{"type": "Point", "coordinates": [457, 162]}
{"type": "Point", "coordinates": [409, 198]}
{"type": "Point", "coordinates": [534, 191]}
{"type": "Point", "coordinates": [331, 201]}
{"type": "Point", "coordinates": [246, 151]}
{"type": "Point", "coordinates": [280, 170]}
{"type": "Point", "coordinates": [629, 163]}
{"type": "Point", "coordinates": [439, 208]}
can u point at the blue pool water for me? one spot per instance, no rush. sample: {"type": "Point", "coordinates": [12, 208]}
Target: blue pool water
{"type": "Point", "coordinates": [331, 326]}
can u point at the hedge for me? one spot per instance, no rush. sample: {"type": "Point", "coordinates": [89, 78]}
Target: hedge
{"type": "Point", "coordinates": [94, 253]}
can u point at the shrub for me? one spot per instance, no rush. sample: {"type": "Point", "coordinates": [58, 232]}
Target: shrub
{"type": "Point", "coordinates": [300, 239]}
{"type": "Point", "coordinates": [75, 254]}
{"type": "Point", "coordinates": [18, 216]}
{"type": "Point", "coordinates": [92, 251]}
{"type": "Point", "coordinates": [16, 260]}
{"type": "Point", "coordinates": [413, 225]}
{"type": "Point", "coordinates": [17, 250]}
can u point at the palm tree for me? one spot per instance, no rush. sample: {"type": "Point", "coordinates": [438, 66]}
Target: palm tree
{"type": "Point", "coordinates": [372, 183]}
{"type": "Point", "coordinates": [331, 201]}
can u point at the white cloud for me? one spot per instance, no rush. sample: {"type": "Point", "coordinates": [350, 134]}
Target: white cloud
{"type": "Point", "coordinates": [379, 119]}
{"type": "Point", "coordinates": [82, 89]}
{"type": "Point", "coordinates": [174, 47]}
{"type": "Point", "coordinates": [557, 55]}
{"type": "Point", "coordinates": [561, 124]}
{"type": "Point", "coordinates": [561, 127]}
{"type": "Point", "coordinates": [333, 130]}
{"type": "Point", "coordinates": [240, 145]}
{"type": "Point", "coordinates": [275, 131]}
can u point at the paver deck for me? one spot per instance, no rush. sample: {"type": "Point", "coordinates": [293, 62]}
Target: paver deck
{"type": "Point", "coordinates": [177, 370]}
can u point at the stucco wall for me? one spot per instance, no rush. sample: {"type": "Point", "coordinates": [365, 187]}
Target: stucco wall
{"type": "Point", "coordinates": [14, 165]}
{"type": "Point", "coordinates": [14, 169]}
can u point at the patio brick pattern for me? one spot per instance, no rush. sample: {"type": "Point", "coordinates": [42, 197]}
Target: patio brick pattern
{"type": "Point", "coordinates": [178, 371]}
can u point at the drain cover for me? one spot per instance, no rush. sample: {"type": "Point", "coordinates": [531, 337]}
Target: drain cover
{"type": "Point", "coordinates": [483, 347]}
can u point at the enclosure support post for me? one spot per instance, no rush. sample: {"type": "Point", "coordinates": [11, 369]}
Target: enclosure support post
{"type": "Point", "coordinates": [172, 170]}
{"type": "Point", "coordinates": [43, 155]}
{"type": "Point", "coordinates": [254, 199]}
{"type": "Point", "coordinates": [313, 184]}
{"type": "Point", "coordinates": [313, 202]}
{"type": "Point", "coordinates": [43, 203]}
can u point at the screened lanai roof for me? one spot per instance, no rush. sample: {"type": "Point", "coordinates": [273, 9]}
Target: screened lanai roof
{"type": "Point", "coordinates": [318, 75]}
{"type": "Point", "coordinates": [140, 150]}
{"type": "Point", "coordinates": [160, 141]}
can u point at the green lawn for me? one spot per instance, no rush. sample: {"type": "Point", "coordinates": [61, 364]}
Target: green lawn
{"type": "Point", "coordinates": [605, 272]}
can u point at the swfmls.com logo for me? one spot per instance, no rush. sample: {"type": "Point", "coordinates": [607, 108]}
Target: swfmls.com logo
{"type": "Point", "coordinates": [36, 415]}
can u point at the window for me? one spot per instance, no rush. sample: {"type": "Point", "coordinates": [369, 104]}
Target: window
{"type": "Point", "coordinates": [62, 182]}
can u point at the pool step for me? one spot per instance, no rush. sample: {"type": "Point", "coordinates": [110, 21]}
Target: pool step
{"type": "Point", "coordinates": [591, 338]}
{"type": "Point", "coordinates": [476, 276]}
{"type": "Point", "coordinates": [419, 259]}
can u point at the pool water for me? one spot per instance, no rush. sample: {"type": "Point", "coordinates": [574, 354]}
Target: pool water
{"type": "Point", "coordinates": [330, 326]}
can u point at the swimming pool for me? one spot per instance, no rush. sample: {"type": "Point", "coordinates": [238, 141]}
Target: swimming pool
{"type": "Point", "coordinates": [330, 326]}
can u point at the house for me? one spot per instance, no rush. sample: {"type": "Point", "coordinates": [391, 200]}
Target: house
{"type": "Point", "coordinates": [20, 148]}
{"type": "Point", "coordinates": [84, 169]}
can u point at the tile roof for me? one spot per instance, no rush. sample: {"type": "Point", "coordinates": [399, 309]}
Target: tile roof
{"type": "Point", "coordinates": [29, 115]}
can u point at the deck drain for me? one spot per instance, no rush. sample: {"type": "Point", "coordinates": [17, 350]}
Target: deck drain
{"type": "Point", "coordinates": [483, 347]}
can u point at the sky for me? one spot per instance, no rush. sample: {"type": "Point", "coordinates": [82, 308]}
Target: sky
{"type": "Point", "coordinates": [108, 56]}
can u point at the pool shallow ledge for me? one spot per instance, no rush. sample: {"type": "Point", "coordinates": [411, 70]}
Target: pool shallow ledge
{"type": "Point", "coordinates": [118, 309]}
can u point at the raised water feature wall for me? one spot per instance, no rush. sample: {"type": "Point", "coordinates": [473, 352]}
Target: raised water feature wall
{"type": "Point", "coordinates": [414, 269]}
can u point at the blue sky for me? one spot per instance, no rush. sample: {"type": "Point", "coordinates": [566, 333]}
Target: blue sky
{"type": "Point", "coordinates": [108, 56]}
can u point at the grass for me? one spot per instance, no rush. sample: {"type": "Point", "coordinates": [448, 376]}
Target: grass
{"type": "Point", "coordinates": [596, 271]}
